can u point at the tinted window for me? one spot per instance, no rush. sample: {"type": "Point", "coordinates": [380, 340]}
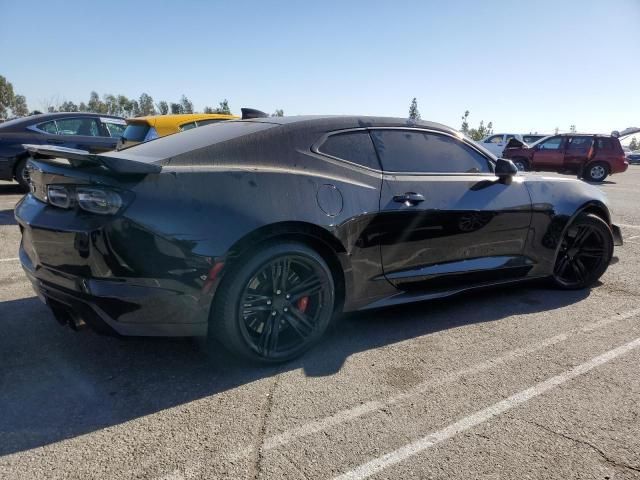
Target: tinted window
{"type": "Point", "coordinates": [551, 144]}
{"type": "Point", "coordinates": [354, 147]}
{"type": "Point", "coordinates": [115, 129]}
{"type": "Point", "coordinates": [579, 143]}
{"type": "Point", "coordinates": [605, 144]}
{"type": "Point", "coordinates": [531, 138]}
{"type": "Point", "coordinates": [78, 126]}
{"type": "Point", "coordinates": [207, 122]}
{"type": "Point", "coordinates": [49, 127]}
{"type": "Point", "coordinates": [412, 151]}
{"type": "Point", "coordinates": [136, 131]}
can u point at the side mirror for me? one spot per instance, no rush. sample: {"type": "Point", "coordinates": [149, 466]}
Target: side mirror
{"type": "Point", "coordinates": [505, 169]}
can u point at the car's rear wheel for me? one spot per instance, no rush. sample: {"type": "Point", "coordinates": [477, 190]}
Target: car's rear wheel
{"type": "Point", "coordinates": [597, 172]}
{"type": "Point", "coordinates": [276, 304]}
{"type": "Point", "coordinates": [585, 253]}
{"type": "Point", "coordinates": [22, 174]}
{"type": "Point", "coordinates": [521, 164]}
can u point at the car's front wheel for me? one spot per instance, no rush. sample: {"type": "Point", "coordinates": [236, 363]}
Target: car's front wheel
{"type": "Point", "coordinates": [276, 304]}
{"type": "Point", "coordinates": [585, 253]}
{"type": "Point", "coordinates": [22, 174]}
{"type": "Point", "coordinates": [597, 172]}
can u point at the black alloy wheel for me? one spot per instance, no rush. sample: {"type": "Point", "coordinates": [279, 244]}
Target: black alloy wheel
{"type": "Point", "coordinates": [22, 174]}
{"type": "Point", "coordinates": [585, 253]}
{"type": "Point", "coordinates": [277, 305]}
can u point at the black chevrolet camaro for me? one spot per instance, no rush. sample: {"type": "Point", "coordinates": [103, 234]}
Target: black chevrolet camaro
{"type": "Point", "coordinates": [257, 232]}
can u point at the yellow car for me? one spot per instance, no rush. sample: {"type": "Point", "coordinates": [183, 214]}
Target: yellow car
{"type": "Point", "coordinates": [143, 129]}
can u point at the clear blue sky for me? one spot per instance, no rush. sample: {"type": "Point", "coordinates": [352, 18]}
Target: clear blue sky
{"type": "Point", "coordinates": [527, 66]}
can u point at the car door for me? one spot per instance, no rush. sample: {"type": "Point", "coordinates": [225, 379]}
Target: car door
{"type": "Point", "coordinates": [444, 216]}
{"type": "Point", "coordinates": [549, 154]}
{"type": "Point", "coordinates": [577, 151]}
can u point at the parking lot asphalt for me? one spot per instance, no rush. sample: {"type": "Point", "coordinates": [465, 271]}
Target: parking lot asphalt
{"type": "Point", "coordinates": [518, 382]}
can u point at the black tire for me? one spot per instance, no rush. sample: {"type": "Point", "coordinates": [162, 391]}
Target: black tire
{"type": "Point", "coordinates": [596, 172]}
{"type": "Point", "coordinates": [21, 174]}
{"type": "Point", "coordinates": [585, 253]}
{"type": "Point", "coordinates": [522, 164]}
{"type": "Point", "coordinates": [254, 298]}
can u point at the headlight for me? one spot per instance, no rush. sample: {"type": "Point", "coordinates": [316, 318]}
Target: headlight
{"type": "Point", "coordinates": [59, 196]}
{"type": "Point", "coordinates": [96, 200]}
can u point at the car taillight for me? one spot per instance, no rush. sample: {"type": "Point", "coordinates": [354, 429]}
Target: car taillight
{"type": "Point", "coordinates": [102, 201]}
{"type": "Point", "coordinates": [97, 200]}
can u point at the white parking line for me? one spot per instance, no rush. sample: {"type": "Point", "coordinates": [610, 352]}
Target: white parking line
{"type": "Point", "coordinates": [372, 406]}
{"type": "Point", "coordinates": [9, 259]}
{"type": "Point", "coordinates": [378, 464]}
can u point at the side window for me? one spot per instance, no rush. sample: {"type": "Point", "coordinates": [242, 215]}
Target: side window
{"type": "Point", "coordinates": [200, 123]}
{"type": "Point", "coordinates": [187, 126]}
{"type": "Point", "coordinates": [579, 143]}
{"type": "Point", "coordinates": [553, 143]}
{"type": "Point", "coordinates": [414, 151]}
{"type": "Point", "coordinates": [49, 127]}
{"type": "Point", "coordinates": [494, 139]}
{"type": "Point", "coordinates": [115, 129]}
{"type": "Point", "coordinates": [605, 144]}
{"type": "Point", "coordinates": [353, 147]}
{"type": "Point", "coordinates": [78, 126]}
{"type": "Point", "coordinates": [509, 137]}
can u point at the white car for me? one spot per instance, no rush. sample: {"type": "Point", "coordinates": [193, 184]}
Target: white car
{"type": "Point", "coordinates": [497, 142]}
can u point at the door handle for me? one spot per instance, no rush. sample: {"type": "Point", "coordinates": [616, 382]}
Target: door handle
{"type": "Point", "coordinates": [409, 198]}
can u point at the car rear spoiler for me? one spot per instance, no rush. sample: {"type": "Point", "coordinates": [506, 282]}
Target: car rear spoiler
{"type": "Point", "coordinates": [79, 158]}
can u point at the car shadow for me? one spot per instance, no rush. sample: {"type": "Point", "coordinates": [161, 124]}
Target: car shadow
{"type": "Point", "coordinates": [56, 384]}
{"type": "Point", "coordinates": [10, 189]}
{"type": "Point", "coordinates": [7, 218]}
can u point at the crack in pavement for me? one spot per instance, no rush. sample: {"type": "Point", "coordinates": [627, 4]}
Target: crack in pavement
{"type": "Point", "coordinates": [605, 457]}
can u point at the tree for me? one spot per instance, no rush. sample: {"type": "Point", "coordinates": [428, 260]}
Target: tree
{"type": "Point", "coordinates": [464, 128]}
{"type": "Point", "coordinates": [223, 107]}
{"type": "Point", "coordinates": [414, 113]}
{"type": "Point", "coordinates": [187, 106]}
{"type": "Point", "coordinates": [163, 107]}
{"type": "Point", "coordinates": [572, 129]}
{"type": "Point", "coordinates": [96, 105]}
{"type": "Point", "coordinates": [556, 130]}
{"type": "Point", "coordinates": [69, 107]}
{"type": "Point", "coordinates": [278, 113]}
{"type": "Point", "coordinates": [7, 96]}
{"type": "Point", "coordinates": [20, 108]}
{"type": "Point", "coordinates": [475, 133]}
{"type": "Point", "coordinates": [145, 104]}
{"type": "Point", "coordinates": [83, 107]}
{"type": "Point", "coordinates": [634, 144]}
{"type": "Point", "coordinates": [175, 108]}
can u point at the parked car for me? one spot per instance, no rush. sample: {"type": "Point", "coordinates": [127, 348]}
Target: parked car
{"type": "Point", "coordinates": [634, 157]}
{"type": "Point", "coordinates": [143, 129]}
{"type": "Point", "coordinates": [592, 157]}
{"type": "Point", "coordinates": [530, 138]}
{"type": "Point", "coordinates": [92, 132]}
{"type": "Point", "coordinates": [258, 232]}
{"type": "Point", "coordinates": [497, 142]}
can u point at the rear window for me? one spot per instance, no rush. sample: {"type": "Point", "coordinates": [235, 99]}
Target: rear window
{"type": "Point", "coordinates": [190, 140]}
{"type": "Point", "coordinates": [605, 144]}
{"type": "Point", "coordinates": [355, 147]}
{"type": "Point", "coordinates": [136, 132]}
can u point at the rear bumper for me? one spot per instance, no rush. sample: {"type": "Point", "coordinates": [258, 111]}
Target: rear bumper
{"type": "Point", "coordinates": [114, 306]}
{"type": "Point", "coordinates": [620, 167]}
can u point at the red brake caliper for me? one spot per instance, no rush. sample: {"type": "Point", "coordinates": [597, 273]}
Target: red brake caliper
{"type": "Point", "coordinates": [302, 304]}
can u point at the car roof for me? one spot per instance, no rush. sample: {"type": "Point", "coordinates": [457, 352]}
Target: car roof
{"type": "Point", "coordinates": [339, 122]}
